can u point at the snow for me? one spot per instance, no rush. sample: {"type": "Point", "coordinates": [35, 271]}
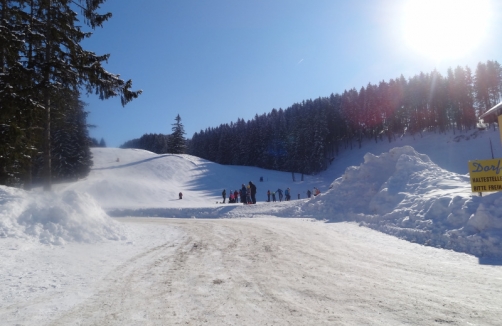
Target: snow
{"type": "Point", "coordinates": [55, 218]}
{"type": "Point", "coordinates": [67, 254]}
{"type": "Point", "coordinates": [404, 193]}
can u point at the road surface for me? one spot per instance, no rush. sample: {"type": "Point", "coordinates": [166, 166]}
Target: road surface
{"type": "Point", "coordinates": [273, 271]}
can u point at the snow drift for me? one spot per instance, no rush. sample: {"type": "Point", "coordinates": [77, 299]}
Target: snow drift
{"type": "Point", "coordinates": [55, 218]}
{"type": "Point", "coordinates": [404, 193]}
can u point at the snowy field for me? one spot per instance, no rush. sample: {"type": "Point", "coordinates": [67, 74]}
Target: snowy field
{"type": "Point", "coordinates": [396, 237]}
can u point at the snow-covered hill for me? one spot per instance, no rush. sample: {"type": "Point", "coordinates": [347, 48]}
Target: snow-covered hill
{"type": "Point", "coordinates": [131, 178]}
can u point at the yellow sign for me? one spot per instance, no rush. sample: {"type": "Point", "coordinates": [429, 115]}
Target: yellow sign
{"type": "Point", "coordinates": [486, 175]}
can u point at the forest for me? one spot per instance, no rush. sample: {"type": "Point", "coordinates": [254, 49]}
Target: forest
{"type": "Point", "coordinates": [306, 137]}
{"type": "Point", "coordinates": [43, 72]}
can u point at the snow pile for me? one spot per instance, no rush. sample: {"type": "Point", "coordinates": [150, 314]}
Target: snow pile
{"type": "Point", "coordinates": [404, 193]}
{"type": "Point", "coordinates": [55, 218]}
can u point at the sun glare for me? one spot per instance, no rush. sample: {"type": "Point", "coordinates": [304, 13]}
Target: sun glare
{"type": "Point", "coordinates": [445, 29]}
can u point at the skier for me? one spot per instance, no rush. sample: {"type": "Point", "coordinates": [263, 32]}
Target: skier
{"type": "Point", "coordinates": [253, 192]}
{"type": "Point", "coordinates": [224, 195]}
{"type": "Point", "coordinates": [243, 194]}
{"type": "Point", "coordinates": [236, 196]}
{"type": "Point", "coordinates": [309, 193]}
{"type": "Point", "coordinates": [280, 194]}
{"type": "Point", "coordinates": [248, 195]}
{"type": "Point", "coordinates": [273, 197]}
{"type": "Point", "coordinates": [268, 196]}
{"type": "Point", "coordinates": [286, 193]}
{"type": "Point", "coordinates": [181, 195]}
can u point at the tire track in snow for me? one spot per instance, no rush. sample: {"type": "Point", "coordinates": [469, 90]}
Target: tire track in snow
{"type": "Point", "coordinates": [291, 272]}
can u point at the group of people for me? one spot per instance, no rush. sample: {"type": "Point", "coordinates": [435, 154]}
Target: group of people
{"type": "Point", "coordinates": [247, 194]}
{"type": "Point", "coordinates": [287, 194]}
{"type": "Point", "coordinates": [315, 192]}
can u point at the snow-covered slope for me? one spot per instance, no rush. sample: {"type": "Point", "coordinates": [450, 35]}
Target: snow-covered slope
{"type": "Point", "coordinates": [131, 178]}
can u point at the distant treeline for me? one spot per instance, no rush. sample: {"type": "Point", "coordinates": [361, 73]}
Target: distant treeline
{"type": "Point", "coordinates": [157, 143]}
{"type": "Point", "coordinates": [307, 136]}
{"type": "Point", "coordinates": [174, 143]}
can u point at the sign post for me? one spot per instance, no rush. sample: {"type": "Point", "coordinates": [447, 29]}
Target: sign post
{"type": "Point", "coordinates": [500, 124]}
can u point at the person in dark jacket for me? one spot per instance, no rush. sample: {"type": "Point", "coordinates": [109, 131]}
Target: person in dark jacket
{"type": "Point", "coordinates": [224, 194]}
{"type": "Point", "coordinates": [268, 196]}
{"type": "Point", "coordinates": [243, 194]}
{"type": "Point", "coordinates": [253, 192]}
{"type": "Point", "coordinates": [279, 191]}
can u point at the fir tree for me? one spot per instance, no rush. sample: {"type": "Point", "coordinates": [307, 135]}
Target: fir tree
{"type": "Point", "coordinates": [177, 143]}
{"type": "Point", "coordinates": [71, 155]}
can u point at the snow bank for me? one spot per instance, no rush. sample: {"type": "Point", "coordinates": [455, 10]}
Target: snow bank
{"type": "Point", "coordinates": [54, 218]}
{"type": "Point", "coordinates": [404, 193]}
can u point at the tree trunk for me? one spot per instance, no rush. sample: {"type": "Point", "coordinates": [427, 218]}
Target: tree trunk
{"type": "Point", "coordinates": [2, 53]}
{"type": "Point", "coordinates": [28, 180]}
{"type": "Point", "coordinates": [47, 131]}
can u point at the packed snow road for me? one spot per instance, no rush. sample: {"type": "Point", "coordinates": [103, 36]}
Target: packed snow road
{"type": "Point", "coordinates": [272, 271]}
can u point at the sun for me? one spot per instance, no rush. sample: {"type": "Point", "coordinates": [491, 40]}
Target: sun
{"type": "Point", "coordinates": [445, 29]}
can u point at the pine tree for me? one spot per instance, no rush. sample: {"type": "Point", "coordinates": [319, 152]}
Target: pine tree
{"type": "Point", "coordinates": [177, 143]}
{"type": "Point", "coordinates": [71, 155]}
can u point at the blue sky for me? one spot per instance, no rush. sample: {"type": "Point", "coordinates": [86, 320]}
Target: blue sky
{"type": "Point", "coordinates": [216, 61]}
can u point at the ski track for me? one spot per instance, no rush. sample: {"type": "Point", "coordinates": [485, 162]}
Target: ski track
{"type": "Point", "coordinates": [247, 272]}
